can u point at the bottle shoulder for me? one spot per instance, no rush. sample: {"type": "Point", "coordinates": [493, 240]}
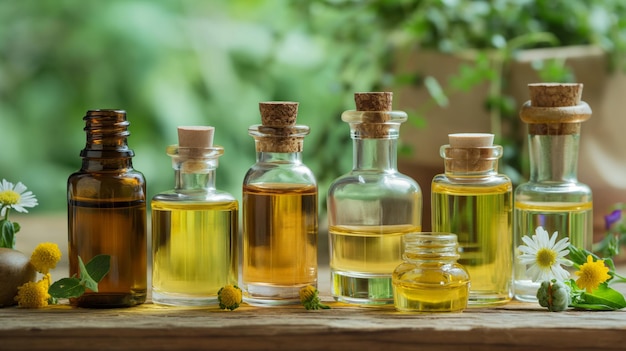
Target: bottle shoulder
{"type": "Point", "coordinates": [553, 189]}
{"type": "Point", "coordinates": [374, 183]}
{"type": "Point", "coordinates": [195, 196]}
{"type": "Point", "coordinates": [280, 173]}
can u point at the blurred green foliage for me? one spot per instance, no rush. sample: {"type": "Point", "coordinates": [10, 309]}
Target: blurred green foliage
{"type": "Point", "coordinates": [176, 62]}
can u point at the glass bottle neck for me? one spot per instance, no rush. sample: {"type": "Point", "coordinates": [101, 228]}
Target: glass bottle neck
{"type": "Point", "coordinates": [375, 154]}
{"type": "Point", "coordinates": [279, 157]}
{"type": "Point", "coordinates": [195, 181]}
{"type": "Point", "coordinates": [107, 164]}
{"type": "Point", "coordinates": [553, 157]}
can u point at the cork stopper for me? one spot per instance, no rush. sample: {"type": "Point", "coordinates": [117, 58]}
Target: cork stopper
{"type": "Point", "coordinates": [470, 152]}
{"type": "Point", "coordinates": [375, 106]}
{"type": "Point", "coordinates": [470, 140]}
{"type": "Point", "coordinates": [555, 109]}
{"type": "Point", "coordinates": [195, 137]}
{"type": "Point", "coordinates": [278, 113]}
{"type": "Point", "coordinates": [278, 131]}
{"type": "Point", "coordinates": [376, 101]}
{"type": "Point", "coordinates": [555, 94]}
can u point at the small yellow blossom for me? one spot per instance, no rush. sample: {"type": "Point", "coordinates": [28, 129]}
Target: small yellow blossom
{"type": "Point", "coordinates": [229, 297]}
{"type": "Point", "coordinates": [32, 295]}
{"type": "Point", "coordinates": [310, 299]}
{"type": "Point", "coordinates": [45, 257]}
{"type": "Point", "coordinates": [592, 274]}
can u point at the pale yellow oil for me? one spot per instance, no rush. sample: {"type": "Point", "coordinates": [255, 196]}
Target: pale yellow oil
{"type": "Point", "coordinates": [430, 290]}
{"type": "Point", "coordinates": [194, 251]}
{"type": "Point", "coordinates": [279, 241]}
{"type": "Point", "coordinates": [573, 220]}
{"type": "Point", "coordinates": [363, 259]}
{"type": "Point", "coordinates": [481, 217]}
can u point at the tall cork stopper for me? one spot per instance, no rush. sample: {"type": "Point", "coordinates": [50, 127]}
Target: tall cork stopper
{"type": "Point", "coordinates": [374, 105]}
{"type": "Point", "coordinates": [195, 137]}
{"type": "Point", "coordinates": [195, 152]}
{"type": "Point", "coordinates": [555, 109]}
{"type": "Point", "coordinates": [278, 132]}
{"type": "Point", "coordinates": [470, 152]}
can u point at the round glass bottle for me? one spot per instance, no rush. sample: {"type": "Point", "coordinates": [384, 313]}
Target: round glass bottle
{"type": "Point", "coordinates": [371, 207]}
{"type": "Point", "coordinates": [430, 279]}
{"type": "Point", "coordinates": [552, 198]}
{"type": "Point", "coordinates": [194, 226]}
{"type": "Point", "coordinates": [107, 213]}
{"type": "Point", "coordinates": [476, 203]}
{"type": "Point", "coordinates": [280, 211]}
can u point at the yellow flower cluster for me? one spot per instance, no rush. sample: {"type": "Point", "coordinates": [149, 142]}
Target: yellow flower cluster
{"type": "Point", "coordinates": [33, 295]}
{"type": "Point", "coordinates": [45, 257]}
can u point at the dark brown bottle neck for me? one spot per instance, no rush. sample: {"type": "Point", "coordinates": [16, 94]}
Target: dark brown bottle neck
{"type": "Point", "coordinates": [106, 147]}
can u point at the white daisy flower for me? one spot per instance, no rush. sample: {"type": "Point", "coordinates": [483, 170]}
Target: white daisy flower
{"type": "Point", "coordinates": [15, 197]}
{"type": "Point", "coordinates": [545, 256]}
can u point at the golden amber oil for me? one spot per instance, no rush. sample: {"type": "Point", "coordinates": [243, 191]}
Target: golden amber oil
{"type": "Point", "coordinates": [116, 228]}
{"type": "Point", "coordinates": [430, 290]}
{"type": "Point", "coordinates": [481, 217]}
{"type": "Point", "coordinates": [367, 249]}
{"type": "Point", "coordinates": [280, 235]}
{"type": "Point", "coordinates": [194, 247]}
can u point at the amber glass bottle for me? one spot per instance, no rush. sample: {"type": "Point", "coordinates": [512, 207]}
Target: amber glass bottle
{"type": "Point", "coordinates": [107, 212]}
{"type": "Point", "coordinates": [279, 211]}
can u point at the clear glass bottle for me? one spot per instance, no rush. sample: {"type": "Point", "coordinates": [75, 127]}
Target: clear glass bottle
{"type": "Point", "coordinates": [280, 208]}
{"type": "Point", "coordinates": [371, 207]}
{"type": "Point", "coordinates": [107, 213]}
{"type": "Point", "coordinates": [194, 226]}
{"type": "Point", "coordinates": [430, 279]}
{"type": "Point", "coordinates": [476, 203]}
{"type": "Point", "coordinates": [552, 198]}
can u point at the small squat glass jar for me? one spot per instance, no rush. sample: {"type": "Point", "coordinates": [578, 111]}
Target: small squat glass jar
{"type": "Point", "coordinates": [430, 279]}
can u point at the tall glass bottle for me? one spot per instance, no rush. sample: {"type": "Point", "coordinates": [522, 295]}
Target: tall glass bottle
{"type": "Point", "coordinates": [371, 207]}
{"type": "Point", "coordinates": [475, 202]}
{"type": "Point", "coordinates": [279, 211]}
{"type": "Point", "coordinates": [194, 226]}
{"type": "Point", "coordinates": [107, 212]}
{"type": "Point", "coordinates": [553, 198]}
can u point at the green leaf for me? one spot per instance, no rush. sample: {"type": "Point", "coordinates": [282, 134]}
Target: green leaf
{"type": "Point", "coordinates": [85, 278]}
{"type": "Point", "coordinates": [604, 295]}
{"type": "Point", "coordinates": [7, 235]}
{"type": "Point", "coordinates": [577, 255]}
{"type": "Point", "coordinates": [435, 91]}
{"type": "Point", "coordinates": [66, 288]}
{"type": "Point", "coordinates": [98, 267]}
{"type": "Point", "coordinates": [16, 227]}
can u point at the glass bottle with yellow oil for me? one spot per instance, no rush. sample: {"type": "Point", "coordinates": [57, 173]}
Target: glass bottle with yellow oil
{"type": "Point", "coordinates": [194, 226]}
{"type": "Point", "coordinates": [371, 207]}
{"type": "Point", "coordinates": [476, 203]}
{"type": "Point", "coordinates": [552, 198]}
{"type": "Point", "coordinates": [280, 210]}
{"type": "Point", "coordinates": [107, 213]}
{"type": "Point", "coordinates": [430, 279]}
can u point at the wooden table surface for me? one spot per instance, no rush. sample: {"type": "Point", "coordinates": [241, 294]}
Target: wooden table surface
{"type": "Point", "coordinates": [514, 326]}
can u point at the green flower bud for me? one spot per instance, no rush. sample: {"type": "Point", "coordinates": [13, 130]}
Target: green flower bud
{"type": "Point", "coordinates": [554, 295]}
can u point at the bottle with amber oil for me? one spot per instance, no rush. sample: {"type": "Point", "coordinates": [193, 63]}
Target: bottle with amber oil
{"type": "Point", "coordinates": [279, 211]}
{"type": "Point", "coordinates": [107, 213]}
{"type": "Point", "coordinates": [371, 207]}
{"type": "Point", "coordinates": [476, 203]}
{"type": "Point", "coordinates": [194, 226]}
{"type": "Point", "coordinates": [430, 279]}
{"type": "Point", "coordinates": [552, 198]}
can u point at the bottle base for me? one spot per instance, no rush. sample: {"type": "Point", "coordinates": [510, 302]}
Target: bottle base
{"type": "Point", "coordinates": [482, 299]}
{"type": "Point", "coordinates": [526, 290]}
{"type": "Point", "coordinates": [272, 295]}
{"type": "Point", "coordinates": [363, 289]}
{"type": "Point", "coordinates": [110, 300]}
{"type": "Point", "coordinates": [169, 299]}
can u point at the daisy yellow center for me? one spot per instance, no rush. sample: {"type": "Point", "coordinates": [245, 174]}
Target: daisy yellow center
{"type": "Point", "coordinates": [546, 257]}
{"type": "Point", "coordinates": [9, 197]}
